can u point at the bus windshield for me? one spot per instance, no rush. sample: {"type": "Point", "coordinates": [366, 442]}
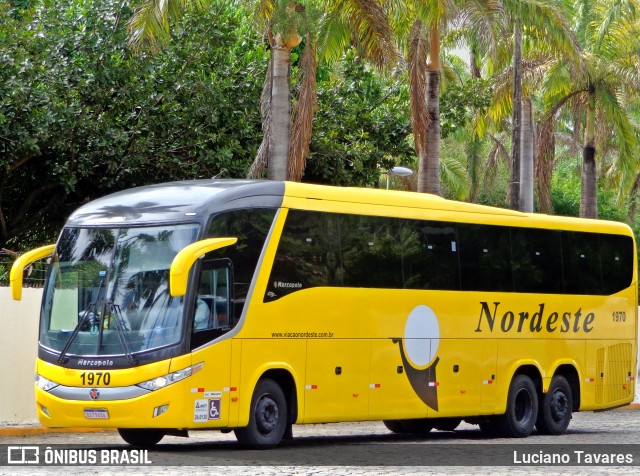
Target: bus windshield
{"type": "Point", "coordinates": [108, 294]}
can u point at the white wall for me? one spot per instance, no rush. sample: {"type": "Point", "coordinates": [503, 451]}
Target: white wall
{"type": "Point", "coordinates": [18, 349]}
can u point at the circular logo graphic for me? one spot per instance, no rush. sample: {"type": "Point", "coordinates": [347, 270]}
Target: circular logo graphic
{"type": "Point", "coordinates": [421, 336]}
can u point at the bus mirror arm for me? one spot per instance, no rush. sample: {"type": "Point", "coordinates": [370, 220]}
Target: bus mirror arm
{"type": "Point", "coordinates": [181, 264]}
{"type": "Point", "coordinates": [17, 270]}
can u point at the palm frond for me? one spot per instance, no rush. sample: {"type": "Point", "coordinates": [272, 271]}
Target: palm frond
{"type": "Point", "coordinates": [454, 177]}
{"type": "Point", "coordinates": [259, 164]}
{"type": "Point", "coordinates": [149, 26]}
{"type": "Point", "coordinates": [303, 113]}
{"type": "Point", "coordinates": [624, 138]}
{"type": "Point", "coordinates": [371, 31]}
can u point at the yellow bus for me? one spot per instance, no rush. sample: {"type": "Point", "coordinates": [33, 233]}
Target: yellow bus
{"type": "Point", "coordinates": [255, 305]}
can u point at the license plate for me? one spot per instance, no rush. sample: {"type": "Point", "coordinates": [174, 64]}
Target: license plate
{"type": "Point", "coordinates": [96, 414]}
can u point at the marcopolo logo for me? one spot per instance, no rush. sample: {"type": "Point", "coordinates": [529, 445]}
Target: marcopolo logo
{"type": "Point", "coordinates": [540, 320]}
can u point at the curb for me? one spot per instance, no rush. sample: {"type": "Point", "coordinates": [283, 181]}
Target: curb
{"type": "Point", "coordinates": [40, 430]}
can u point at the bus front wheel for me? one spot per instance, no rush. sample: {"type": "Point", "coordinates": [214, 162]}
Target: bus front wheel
{"type": "Point", "coordinates": [141, 437]}
{"type": "Point", "coordinates": [268, 417]}
{"type": "Point", "coordinates": [554, 414]}
{"type": "Point", "coordinates": [522, 408]}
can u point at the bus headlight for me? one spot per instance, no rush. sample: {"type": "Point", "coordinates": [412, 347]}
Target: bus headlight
{"type": "Point", "coordinates": [161, 382]}
{"type": "Point", "coordinates": [45, 384]}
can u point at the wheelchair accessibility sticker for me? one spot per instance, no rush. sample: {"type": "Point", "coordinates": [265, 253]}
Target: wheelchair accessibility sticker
{"type": "Point", "coordinates": [206, 409]}
{"type": "Point", "coordinates": [214, 409]}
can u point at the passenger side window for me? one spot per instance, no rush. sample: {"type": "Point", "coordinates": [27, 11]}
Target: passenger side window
{"type": "Point", "coordinates": [251, 227]}
{"type": "Point", "coordinates": [434, 261]}
{"type": "Point", "coordinates": [485, 258]}
{"type": "Point", "coordinates": [212, 312]}
{"type": "Point", "coordinates": [537, 260]}
{"type": "Point", "coordinates": [616, 254]}
{"type": "Point", "coordinates": [581, 259]}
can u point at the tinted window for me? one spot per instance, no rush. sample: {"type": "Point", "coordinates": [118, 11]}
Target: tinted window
{"type": "Point", "coordinates": [537, 261]}
{"type": "Point", "coordinates": [325, 249]}
{"type": "Point", "coordinates": [616, 256]}
{"type": "Point", "coordinates": [433, 259]}
{"type": "Point", "coordinates": [373, 251]}
{"type": "Point", "coordinates": [251, 227]}
{"type": "Point", "coordinates": [485, 258]}
{"type": "Point", "coordinates": [581, 261]}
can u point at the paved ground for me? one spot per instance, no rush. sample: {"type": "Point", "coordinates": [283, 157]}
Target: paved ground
{"type": "Point", "coordinates": [348, 449]}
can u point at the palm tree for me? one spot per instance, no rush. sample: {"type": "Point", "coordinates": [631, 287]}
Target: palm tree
{"type": "Point", "coordinates": [418, 24]}
{"type": "Point", "coordinates": [150, 27]}
{"type": "Point", "coordinates": [285, 24]}
{"type": "Point", "coordinates": [600, 84]}
{"type": "Point", "coordinates": [539, 31]}
{"type": "Point", "coordinates": [342, 24]}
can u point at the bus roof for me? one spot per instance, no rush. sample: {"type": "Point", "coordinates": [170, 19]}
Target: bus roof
{"type": "Point", "coordinates": [196, 200]}
{"type": "Point", "coordinates": [410, 204]}
{"type": "Point", "coordinates": [184, 201]}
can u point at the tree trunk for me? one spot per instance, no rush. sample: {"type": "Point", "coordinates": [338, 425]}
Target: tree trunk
{"type": "Point", "coordinates": [589, 189]}
{"type": "Point", "coordinates": [280, 113]}
{"type": "Point", "coordinates": [545, 158]}
{"type": "Point", "coordinates": [429, 172]}
{"type": "Point", "coordinates": [516, 116]}
{"type": "Point", "coordinates": [588, 195]}
{"type": "Point", "coordinates": [526, 153]}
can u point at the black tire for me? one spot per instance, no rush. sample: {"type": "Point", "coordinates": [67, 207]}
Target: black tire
{"type": "Point", "coordinates": [522, 408]}
{"type": "Point", "coordinates": [556, 408]}
{"type": "Point", "coordinates": [394, 426]}
{"type": "Point", "coordinates": [446, 424]}
{"type": "Point", "coordinates": [141, 437]}
{"type": "Point", "coordinates": [419, 426]}
{"type": "Point", "coordinates": [268, 418]}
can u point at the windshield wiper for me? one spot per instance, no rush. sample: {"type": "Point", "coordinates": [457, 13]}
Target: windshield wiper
{"type": "Point", "coordinates": [93, 305]}
{"type": "Point", "coordinates": [121, 327]}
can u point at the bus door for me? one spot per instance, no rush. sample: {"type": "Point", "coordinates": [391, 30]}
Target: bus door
{"type": "Point", "coordinates": [213, 317]}
{"type": "Point", "coordinates": [337, 380]}
{"type": "Point", "coordinates": [466, 375]}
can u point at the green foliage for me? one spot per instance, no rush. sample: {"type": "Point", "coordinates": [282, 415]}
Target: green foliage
{"type": "Point", "coordinates": [565, 188]}
{"type": "Point", "coordinates": [461, 102]}
{"type": "Point", "coordinates": [565, 194]}
{"type": "Point", "coordinates": [81, 116]}
{"type": "Point", "coordinates": [361, 126]}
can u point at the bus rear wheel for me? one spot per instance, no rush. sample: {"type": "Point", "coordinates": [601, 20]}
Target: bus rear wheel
{"type": "Point", "coordinates": [522, 408]}
{"type": "Point", "coordinates": [416, 426]}
{"type": "Point", "coordinates": [446, 424]}
{"type": "Point", "coordinates": [268, 418]}
{"type": "Point", "coordinates": [554, 414]}
{"type": "Point", "coordinates": [141, 437]}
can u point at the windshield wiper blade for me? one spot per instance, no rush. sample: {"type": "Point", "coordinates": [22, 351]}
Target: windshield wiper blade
{"type": "Point", "coordinates": [93, 305]}
{"type": "Point", "coordinates": [121, 327]}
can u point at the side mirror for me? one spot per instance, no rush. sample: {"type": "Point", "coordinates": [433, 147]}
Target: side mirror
{"type": "Point", "coordinates": [17, 270]}
{"type": "Point", "coordinates": [181, 264]}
